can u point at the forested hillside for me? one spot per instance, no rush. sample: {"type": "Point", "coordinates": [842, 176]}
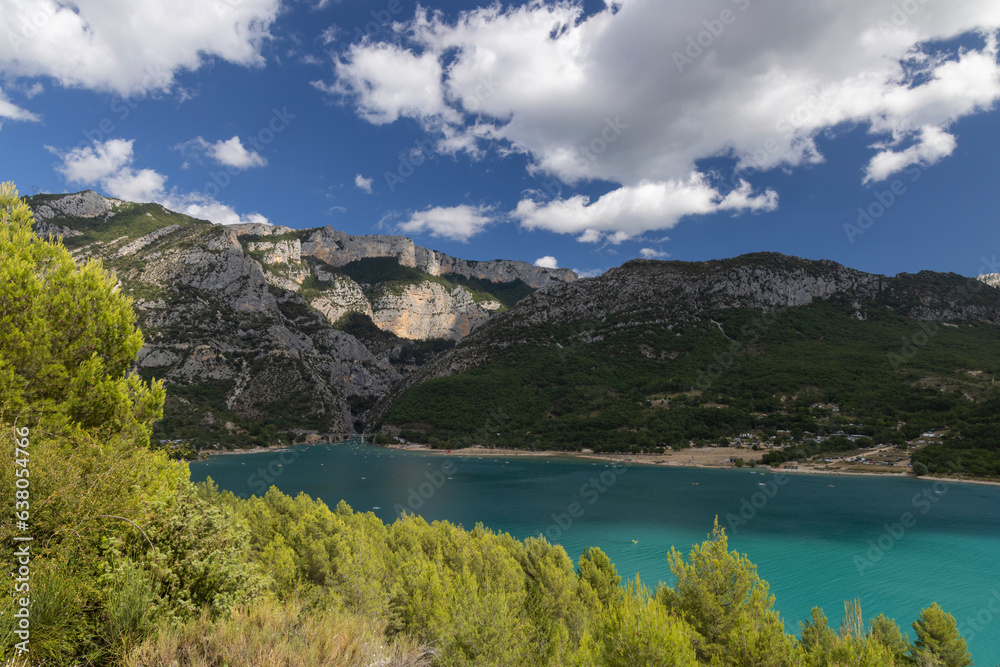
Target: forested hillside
{"type": "Point", "coordinates": [670, 354]}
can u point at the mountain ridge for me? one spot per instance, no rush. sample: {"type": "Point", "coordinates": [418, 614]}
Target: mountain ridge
{"type": "Point", "coordinates": [255, 335]}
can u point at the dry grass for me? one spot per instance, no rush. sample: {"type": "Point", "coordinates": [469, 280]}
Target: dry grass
{"type": "Point", "coordinates": [271, 634]}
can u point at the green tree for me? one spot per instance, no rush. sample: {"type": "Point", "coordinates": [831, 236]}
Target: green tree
{"type": "Point", "coordinates": [720, 595]}
{"type": "Point", "coordinates": [636, 630]}
{"type": "Point", "coordinates": [68, 337]}
{"type": "Point", "coordinates": [887, 633]}
{"type": "Point", "coordinates": [599, 572]}
{"type": "Point", "coordinates": [938, 641]}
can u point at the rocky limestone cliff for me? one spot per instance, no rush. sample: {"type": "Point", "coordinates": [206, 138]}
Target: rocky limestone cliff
{"type": "Point", "coordinates": [428, 310]}
{"type": "Point", "coordinates": [337, 248]}
{"type": "Point", "coordinates": [239, 320]}
{"type": "Point", "coordinates": [86, 204]}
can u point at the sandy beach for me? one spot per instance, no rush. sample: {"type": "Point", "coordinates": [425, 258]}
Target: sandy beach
{"type": "Point", "coordinates": [699, 457]}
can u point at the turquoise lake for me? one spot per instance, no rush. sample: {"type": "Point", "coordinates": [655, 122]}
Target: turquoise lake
{"type": "Point", "coordinates": [896, 544]}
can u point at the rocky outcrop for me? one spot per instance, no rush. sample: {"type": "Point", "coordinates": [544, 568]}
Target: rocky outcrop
{"type": "Point", "coordinates": [428, 310]}
{"type": "Point", "coordinates": [86, 204]}
{"type": "Point", "coordinates": [337, 248]}
{"type": "Point", "coordinates": [991, 279]}
{"type": "Point", "coordinates": [288, 251]}
{"type": "Point", "coordinates": [142, 242]}
{"type": "Point", "coordinates": [343, 297]}
{"type": "Point", "coordinates": [496, 271]}
{"type": "Point", "coordinates": [45, 229]}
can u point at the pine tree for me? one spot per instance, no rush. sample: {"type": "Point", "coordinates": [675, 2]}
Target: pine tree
{"type": "Point", "coordinates": [938, 641]}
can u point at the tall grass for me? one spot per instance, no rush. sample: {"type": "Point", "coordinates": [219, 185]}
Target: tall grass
{"type": "Point", "coordinates": [276, 634]}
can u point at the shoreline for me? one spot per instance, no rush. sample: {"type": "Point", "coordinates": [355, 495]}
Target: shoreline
{"type": "Point", "coordinates": [666, 460]}
{"type": "Point", "coordinates": [704, 457]}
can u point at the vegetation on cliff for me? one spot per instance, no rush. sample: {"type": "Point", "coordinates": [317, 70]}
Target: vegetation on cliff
{"type": "Point", "coordinates": [650, 378]}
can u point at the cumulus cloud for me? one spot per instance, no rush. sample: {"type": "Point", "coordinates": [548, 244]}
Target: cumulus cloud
{"type": "Point", "coordinates": [629, 211]}
{"type": "Point", "coordinates": [228, 152]}
{"type": "Point", "coordinates": [652, 253]}
{"type": "Point", "coordinates": [129, 47]}
{"type": "Point", "coordinates": [547, 262]}
{"type": "Point", "coordinates": [232, 153]}
{"type": "Point", "coordinates": [458, 223]}
{"type": "Point", "coordinates": [108, 165]}
{"type": "Point", "coordinates": [932, 145]}
{"type": "Point", "coordinates": [199, 205]}
{"type": "Point", "coordinates": [362, 183]}
{"type": "Point", "coordinates": [562, 87]}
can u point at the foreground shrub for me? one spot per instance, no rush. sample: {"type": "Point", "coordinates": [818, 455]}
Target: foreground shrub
{"type": "Point", "coordinates": [279, 634]}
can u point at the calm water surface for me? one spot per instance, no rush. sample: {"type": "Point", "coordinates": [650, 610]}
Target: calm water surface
{"type": "Point", "coordinates": [896, 544]}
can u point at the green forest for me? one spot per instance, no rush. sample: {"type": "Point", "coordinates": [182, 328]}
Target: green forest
{"type": "Point", "coordinates": [643, 387]}
{"type": "Point", "coordinates": [123, 561]}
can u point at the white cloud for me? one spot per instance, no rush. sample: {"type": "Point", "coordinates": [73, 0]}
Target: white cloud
{"type": "Point", "coordinates": [199, 205]}
{"type": "Point", "coordinates": [11, 111]}
{"type": "Point", "coordinates": [651, 253]}
{"type": "Point", "coordinates": [459, 223]}
{"type": "Point", "coordinates": [389, 82]}
{"type": "Point", "coordinates": [932, 145]}
{"type": "Point", "coordinates": [362, 183]}
{"type": "Point", "coordinates": [109, 165]}
{"type": "Point", "coordinates": [129, 46]}
{"type": "Point", "coordinates": [547, 262]}
{"type": "Point", "coordinates": [228, 152]}
{"type": "Point", "coordinates": [629, 211]}
{"type": "Point", "coordinates": [232, 153]}
{"type": "Point", "coordinates": [599, 98]}
{"type": "Point", "coordinates": [92, 165]}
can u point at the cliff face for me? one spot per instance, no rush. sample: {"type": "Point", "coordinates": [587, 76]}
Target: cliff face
{"type": "Point", "coordinates": [428, 310]}
{"type": "Point", "coordinates": [245, 323]}
{"type": "Point", "coordinates": [338, 249]}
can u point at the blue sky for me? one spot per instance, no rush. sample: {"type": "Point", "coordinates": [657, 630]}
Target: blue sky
{"type": "Point", "coordinates": [586, 134]}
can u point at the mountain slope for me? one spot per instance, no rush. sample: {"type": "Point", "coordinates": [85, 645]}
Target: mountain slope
{"type": "Point", "coordinates": [259, 329]}
{"type": "Point", "coordinates": [665, 353]}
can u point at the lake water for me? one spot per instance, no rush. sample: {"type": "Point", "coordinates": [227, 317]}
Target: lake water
{"type": "Point", "coordinates": [896, 544]}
